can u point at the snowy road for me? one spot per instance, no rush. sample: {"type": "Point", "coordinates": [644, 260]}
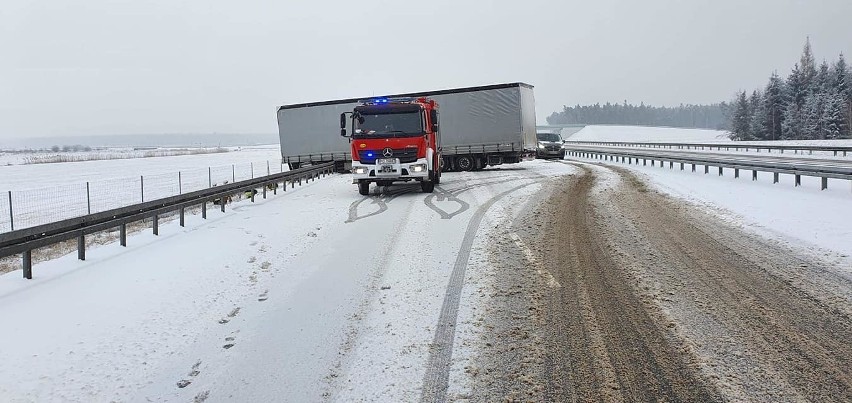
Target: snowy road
{"type": "Point", "coordinates": [316, 294]}
{"type": "Point", "coordinates": [546, 280]}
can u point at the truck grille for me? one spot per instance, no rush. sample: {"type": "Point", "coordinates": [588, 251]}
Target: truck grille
{"type": "Point", "coordinates": [404, 154]}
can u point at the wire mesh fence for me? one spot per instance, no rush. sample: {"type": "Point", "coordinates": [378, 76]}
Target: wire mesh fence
{"type": "Point", "coordinates": [28, 208]}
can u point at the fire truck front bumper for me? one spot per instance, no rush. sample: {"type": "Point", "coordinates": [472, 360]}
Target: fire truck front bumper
{"type": "Point", "coordinates": [390, 170]}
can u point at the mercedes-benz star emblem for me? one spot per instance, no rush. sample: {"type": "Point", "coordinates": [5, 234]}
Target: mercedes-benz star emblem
{"type": "Point", "coordinates": [387, 152]}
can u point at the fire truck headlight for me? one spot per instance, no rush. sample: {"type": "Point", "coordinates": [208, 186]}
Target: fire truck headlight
{"type": "Point", "coordinates": [418, 168]}
{"type": "Point", "coordinates": [360, 170]}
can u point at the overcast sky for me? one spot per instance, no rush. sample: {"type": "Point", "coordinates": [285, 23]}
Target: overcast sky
{"type": "Point", "coordinates": [78, 67]}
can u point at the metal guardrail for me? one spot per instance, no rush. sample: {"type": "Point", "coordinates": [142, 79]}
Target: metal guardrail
{"type": "Point", "coordinates": [719, 146]}
{"type": "Point", "coordinates": [798, 169]}
{"type": "Point", "coordinates": [24, 241]}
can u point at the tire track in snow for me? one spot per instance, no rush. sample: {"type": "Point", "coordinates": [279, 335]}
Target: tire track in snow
{"type": "Point", "coordinates": [436, 380]}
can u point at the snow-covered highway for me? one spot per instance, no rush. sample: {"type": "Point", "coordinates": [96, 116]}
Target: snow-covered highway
{"type": "Point", "coordinates": [544, 281]}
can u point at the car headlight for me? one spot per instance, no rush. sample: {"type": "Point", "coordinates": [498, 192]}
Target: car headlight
{"type": "Point", "coordinates": [540, 145]}
{"type": "Point", "coordinates": [360, 170]}
{"type": "Point", "coordinates": [418, 168]}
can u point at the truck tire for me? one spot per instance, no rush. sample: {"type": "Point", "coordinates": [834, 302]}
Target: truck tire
{"type": "Point", "coordinates": [464, 163]}
{"type": "Point", "coordinates": [427, 186]}
{"type": "Point", "coordinates": [364, 188]}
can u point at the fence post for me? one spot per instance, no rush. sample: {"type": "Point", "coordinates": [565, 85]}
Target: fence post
{"type": "Point", "coordinates": [11, 216]}
{"type": "Point", "coordinates": [233, 173]}
{"type": "Point", "coordinates": [209, 177]}
{"type": "Point", "coordinates": [142, 187]}
{"type": "Point", "coordinates": [180, 185]}
{"type": "Point", "coordinates": [88, 199]}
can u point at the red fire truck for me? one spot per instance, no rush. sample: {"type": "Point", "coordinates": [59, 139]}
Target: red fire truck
{"type": "Point", "coordinates": [394, 140]}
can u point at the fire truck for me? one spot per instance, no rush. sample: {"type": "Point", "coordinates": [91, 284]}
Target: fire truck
{"type": "Point", "coordinates": [394, 140]}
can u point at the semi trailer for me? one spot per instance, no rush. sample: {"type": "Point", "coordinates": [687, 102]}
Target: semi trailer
{"type": "Point", "coordinates": [479, 127]}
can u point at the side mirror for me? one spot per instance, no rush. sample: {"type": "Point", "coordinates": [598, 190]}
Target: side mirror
{"type": "Point", "coordinates": [433, 116]}
{"type": "Point", "coordinates": [343, 124]}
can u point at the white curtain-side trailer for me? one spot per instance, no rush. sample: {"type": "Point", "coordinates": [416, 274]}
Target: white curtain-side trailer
{"type": "Point", "coordinates": [480, 126]}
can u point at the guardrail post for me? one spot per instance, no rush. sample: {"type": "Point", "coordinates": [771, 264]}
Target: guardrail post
{"type": "Point", "coordinates": [720, 171]}
{"type": "Point", "coordinates": [88, 199]}
{"type": "Point", "coordinates": [233, 173]}
{"type": "Point", "coordinates": [300, 180]}
{"type": "Point", "coordinates": [11, 216]}
{"type": "Point", "coordinates": [644, 162]}
{"type": "Point", "coordinates": [209, 177]}
{"type": "Point", "coordinates": [28, 264]}
{"type": "Point", "coordinates": [798, 180]}
{"type": "Point", "coordinates": [706, 169]}
{"type": "Point", "coordinates": [671, 164]}
{"type": "Point", "coordinates": [754, 175]}
{"type": "Point", "coordinates": [267, 168]}
{"type": "Point", "coordinates": [253, 192]}
{"type": "Point", "coordinates": [204, 209]}
{"type": "Point", "coordinates": [182, 222]}
{"type": "Point", "coordinates": [180, 185]}
{"type": "Point", "coordinates": [122, 234]}
{"type": "Point", "coordinates": [156, 224]}
{"type": "Point", "coordinates": [693, 167]}
{"type": "Point", "coordinates": [142, 187]}
{"type": "Point", "coordinates": [252, 169]}
{"type": "Point", "coordinates": [736, 172]}
{"type": "Point", "coordinates": [824, 183]}
{"type": "Point", "coordinates": [265, 185]}
{"type": "Point", "coordinates": [81, 247]}
{"type": "Point", "coordinates": [681, 166]}
{"type": "Point", "coordinates": [775, 177]}
{"type": "Point", "coordinates": [222, 203]}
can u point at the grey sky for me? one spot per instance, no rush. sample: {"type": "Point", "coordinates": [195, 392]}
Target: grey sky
{"type": "Point", "coordinates": [77, 67]}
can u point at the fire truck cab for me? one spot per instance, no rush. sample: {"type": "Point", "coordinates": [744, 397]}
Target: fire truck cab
{"type": "Point", "coordinates": [394, 140]}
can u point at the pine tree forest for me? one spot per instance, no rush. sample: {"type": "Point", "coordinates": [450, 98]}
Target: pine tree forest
{"type": "Point", "coordinates": [699, 116]}
{"type": "Point", "coordinates": [812, 103]}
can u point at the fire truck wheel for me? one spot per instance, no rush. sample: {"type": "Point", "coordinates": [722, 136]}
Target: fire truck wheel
{"type": "Point", "coordinates": [464, 163]}
{"type": "Point", "coordinates": [364, 188]}
{"type": "Point", "coordinates": [427, 186]}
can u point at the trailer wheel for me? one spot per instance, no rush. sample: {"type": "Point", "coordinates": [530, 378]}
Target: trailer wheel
{"type": "Point", "coordinates": [364, 188]}
{"type": "Point", "coordinates": [427, 186]}
{"type": "Point", "coordinates": [464, 163]}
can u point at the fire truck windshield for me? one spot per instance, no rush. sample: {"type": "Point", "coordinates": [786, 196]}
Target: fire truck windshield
{"type": "Point", "coordinates": [393, 124]}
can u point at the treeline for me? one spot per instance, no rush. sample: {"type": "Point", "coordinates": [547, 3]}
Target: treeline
{"type": "Point", "coordinates": [695, 116]}
{"type": "Point", "coordinates": [70, 148]}
{"type": "Point", "coordinates": [812, 103]}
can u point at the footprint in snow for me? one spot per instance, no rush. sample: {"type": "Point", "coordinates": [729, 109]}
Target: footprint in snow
{"type": "Point", "coordinates": [264, 296]}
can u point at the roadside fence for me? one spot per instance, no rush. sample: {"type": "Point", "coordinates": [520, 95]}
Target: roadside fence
{"type": "Point", "coordinates": [28, 208]}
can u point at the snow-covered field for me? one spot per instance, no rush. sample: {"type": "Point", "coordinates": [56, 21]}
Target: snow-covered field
{"type": "Point", "coordinates": [43, 193]}
{"type": "Point", "coordinates": [643, 134]}
{"type": "Point", "coordinates": [319, 293]}
{"type": "Point", "coordinates": [647, 134]}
